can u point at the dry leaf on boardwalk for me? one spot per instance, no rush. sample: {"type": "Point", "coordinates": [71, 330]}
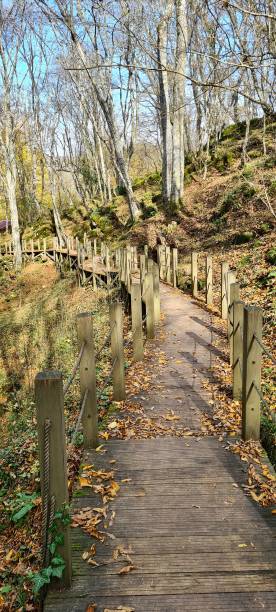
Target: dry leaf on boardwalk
{"type": "Point", "coordinates": [127, 569]}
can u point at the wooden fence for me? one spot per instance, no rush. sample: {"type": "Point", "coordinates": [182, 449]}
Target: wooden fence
{"type": "Point", "coordinates": [141, 285]}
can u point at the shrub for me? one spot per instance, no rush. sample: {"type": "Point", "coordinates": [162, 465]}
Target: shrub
{"type": "Point", "coordinates": [223, 160]}
{"type": "Point", "coordinates": [271, 256]}
{"type": "Point", "coordinates": [243, 237]}
{"type": "Point", "coordinates": [148, 210]}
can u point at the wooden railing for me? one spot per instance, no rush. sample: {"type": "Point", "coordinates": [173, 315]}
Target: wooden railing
{"type": "Point", "coordinates": [142, 289]}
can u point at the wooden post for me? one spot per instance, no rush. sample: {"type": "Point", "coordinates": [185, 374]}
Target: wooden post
{"type": "Point", "coordinates": [149, 301]}
{"type": "Point", "coordinates": [136, 318]}
{"type": "Point", "coordinates": [175, 266]}
{"type": "Point", "coordinates": [117, 351]}
{"type": "Point", "coordinates": [94, 275]}
{"type": "Point", "coordinates": [107, 264]}
{"type": "Point", "coordinates": [146, 253]}
{"type": "Point", "coordinates": [237, 362]}
{"type": "Point", "coordinates": [168, 264]}
{"type": "Point", "coordinates": [50, 424]}
{"type": "Point", "coordinates": [135, 258]}
{"type": "Point", "coordinates": [156, 292]}
{"type": "Point", "coordinates": [234, 296]}
{"type": "Point", "coordinates": [38, 245]}
{"type": "Point", "coordinates": [209, 281]}
{"type": "Point", "coordinates": [194, 274]}
{"type": "Point", "coordinates": [95, 246]}
{"type": "Point", "coordinates": [128, 269]}
{"type": "Point", "coordinates": [44, 246]}
{"type": "Point", "coordinates": [32, 249]}
{"type": "Point", "coordinates": [88, 380]}
{"type": "Point", "coordinates": [251, 379]}
{"type": "Point", "coordinates": [224, 289]}
{"type": "Point", "coordinates": [231, 280]}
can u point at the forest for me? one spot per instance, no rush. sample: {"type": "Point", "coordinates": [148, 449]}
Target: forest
{"type": "Point", "coordinates": [148, 129]}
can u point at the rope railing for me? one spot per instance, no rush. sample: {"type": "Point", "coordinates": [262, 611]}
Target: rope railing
{"type": "Point", "coordinates": [79, 417]}
{"type": "Point", "coordinates": [75, 369]}
{"type": "Point", "coordinates": [264, 349]}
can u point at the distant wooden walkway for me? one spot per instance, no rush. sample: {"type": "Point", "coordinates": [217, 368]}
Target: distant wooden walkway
{"type": "Point", "coordinates": [197, 542]}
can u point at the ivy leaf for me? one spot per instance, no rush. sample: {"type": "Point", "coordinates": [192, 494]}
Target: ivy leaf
{"type": "Point", "coordinates": [52, 547]}
{"type": "Point", "coordinates": [58, 571]}
{"type": "Point", "coordinates": [41, 578]}
{"type": "Point", "coordinates": [57, 560]}
{"type": "Point", "coordinates": [5, 589]}
{"type": "Point", "coordinates": [22, 512]}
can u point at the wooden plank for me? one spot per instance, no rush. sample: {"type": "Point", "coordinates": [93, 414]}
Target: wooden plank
{"type": "Point", "coordinates": [136, 584]}
{"type": "Point", "coordinates": [172, 563]}
{"type": "Point", "coordinates": [214, 602]}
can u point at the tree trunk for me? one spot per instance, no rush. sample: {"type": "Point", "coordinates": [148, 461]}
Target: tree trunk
{"type": "Point", "coordinates": [177, 192]}
{"type": "Point", "coordinates": [11, 195]}
{"type": "Point", "coordinates": [56, 215]}
{"type": "Point", "coordinates": [108, 111]}
{"type": "Point", "coordinates": [164, 102]}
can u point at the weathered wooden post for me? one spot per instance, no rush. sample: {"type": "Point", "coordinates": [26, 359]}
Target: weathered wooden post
{"type": "Point", "coordinates": [32, 249]}
{"type": "Point", "coordinates": [149, 301]}
{"type": "Point", "coordinates": [107, 264]}
{"type": "Point", "coordinates": [88, 380]}
{"type": "Point", "coordinates": [237, 365]}
{"type": "Point", "coordinates": [128, 268]}
{"type": "Point", "coordinates": [158, 251]}
{"type": "Point", "coordinates": [53, 463]}
{"type": "Point", "coordinates": [251, 379]}
{"type": "Point", "coordinates": [117, 351]}
{"type": "Point", "coordinates": [224, 289]}
{"type": "Point", "coordinates": [93, 264]}
{"type": "Point", "coordinates": [136, 319]}
{"type": "Point", "coordinates": [175, 266]}
{"type": "Point", "coordinates": [194, 274]}
{"type": "Point", "coordinates": [44, 246]}
{"type": "Point", "coordinates": [146, 253]}
{"type": "Point", "coordinates": [168, 264]}
{"type": "Point", "coordinates": [231, 279]}
{"type": "Point", "coordinates": [234, 296]}
{"type": "Point", "coordinates": [156, 292]}
{"type": "Point", "coordinates": [95, 246]}
{"type": "Point", "coordinates": [135, 258]}
{"type": "Point", "coordinates": [142, 271]}
{"type": "Point", "coordinates": [209, 281]}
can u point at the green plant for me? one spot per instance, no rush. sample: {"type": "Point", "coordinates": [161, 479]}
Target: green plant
{"type": "Point", "coordinates": [24, 503]}
{"type": "Point", "coordinates": [244, 261]}
{"type": "Point", "coordinates": [56, 566]}
{"type": "Point", "coordinates": [264, 280]}
{"type": "Point", "coordinates": [271, 256]}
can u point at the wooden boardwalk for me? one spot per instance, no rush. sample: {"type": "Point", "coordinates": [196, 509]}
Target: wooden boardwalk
{"type": "Point", "coordinates": [196, 541]}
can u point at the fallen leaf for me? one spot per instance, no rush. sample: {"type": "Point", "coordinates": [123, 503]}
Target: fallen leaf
{"type": "Point", "coordinates": [84, 482]}
{"type": "Point", "coordinates": [112, 425]}
{"type": "Point", "coordinates": [85, 555]}
{"type": "Point", "coordinates": [127, 569]}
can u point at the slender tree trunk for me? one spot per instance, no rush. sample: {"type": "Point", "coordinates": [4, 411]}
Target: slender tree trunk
{"type": "Point", "coordinates": [108, 111]}
{"type": "Point", "coordinates": [11, 196]}
{"type": "Point", "coordinates": [177, 192]}
{"type": "Point", "coordinates": [164, 102]}
{"type": "Point", "coordinates": [56, 214]}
